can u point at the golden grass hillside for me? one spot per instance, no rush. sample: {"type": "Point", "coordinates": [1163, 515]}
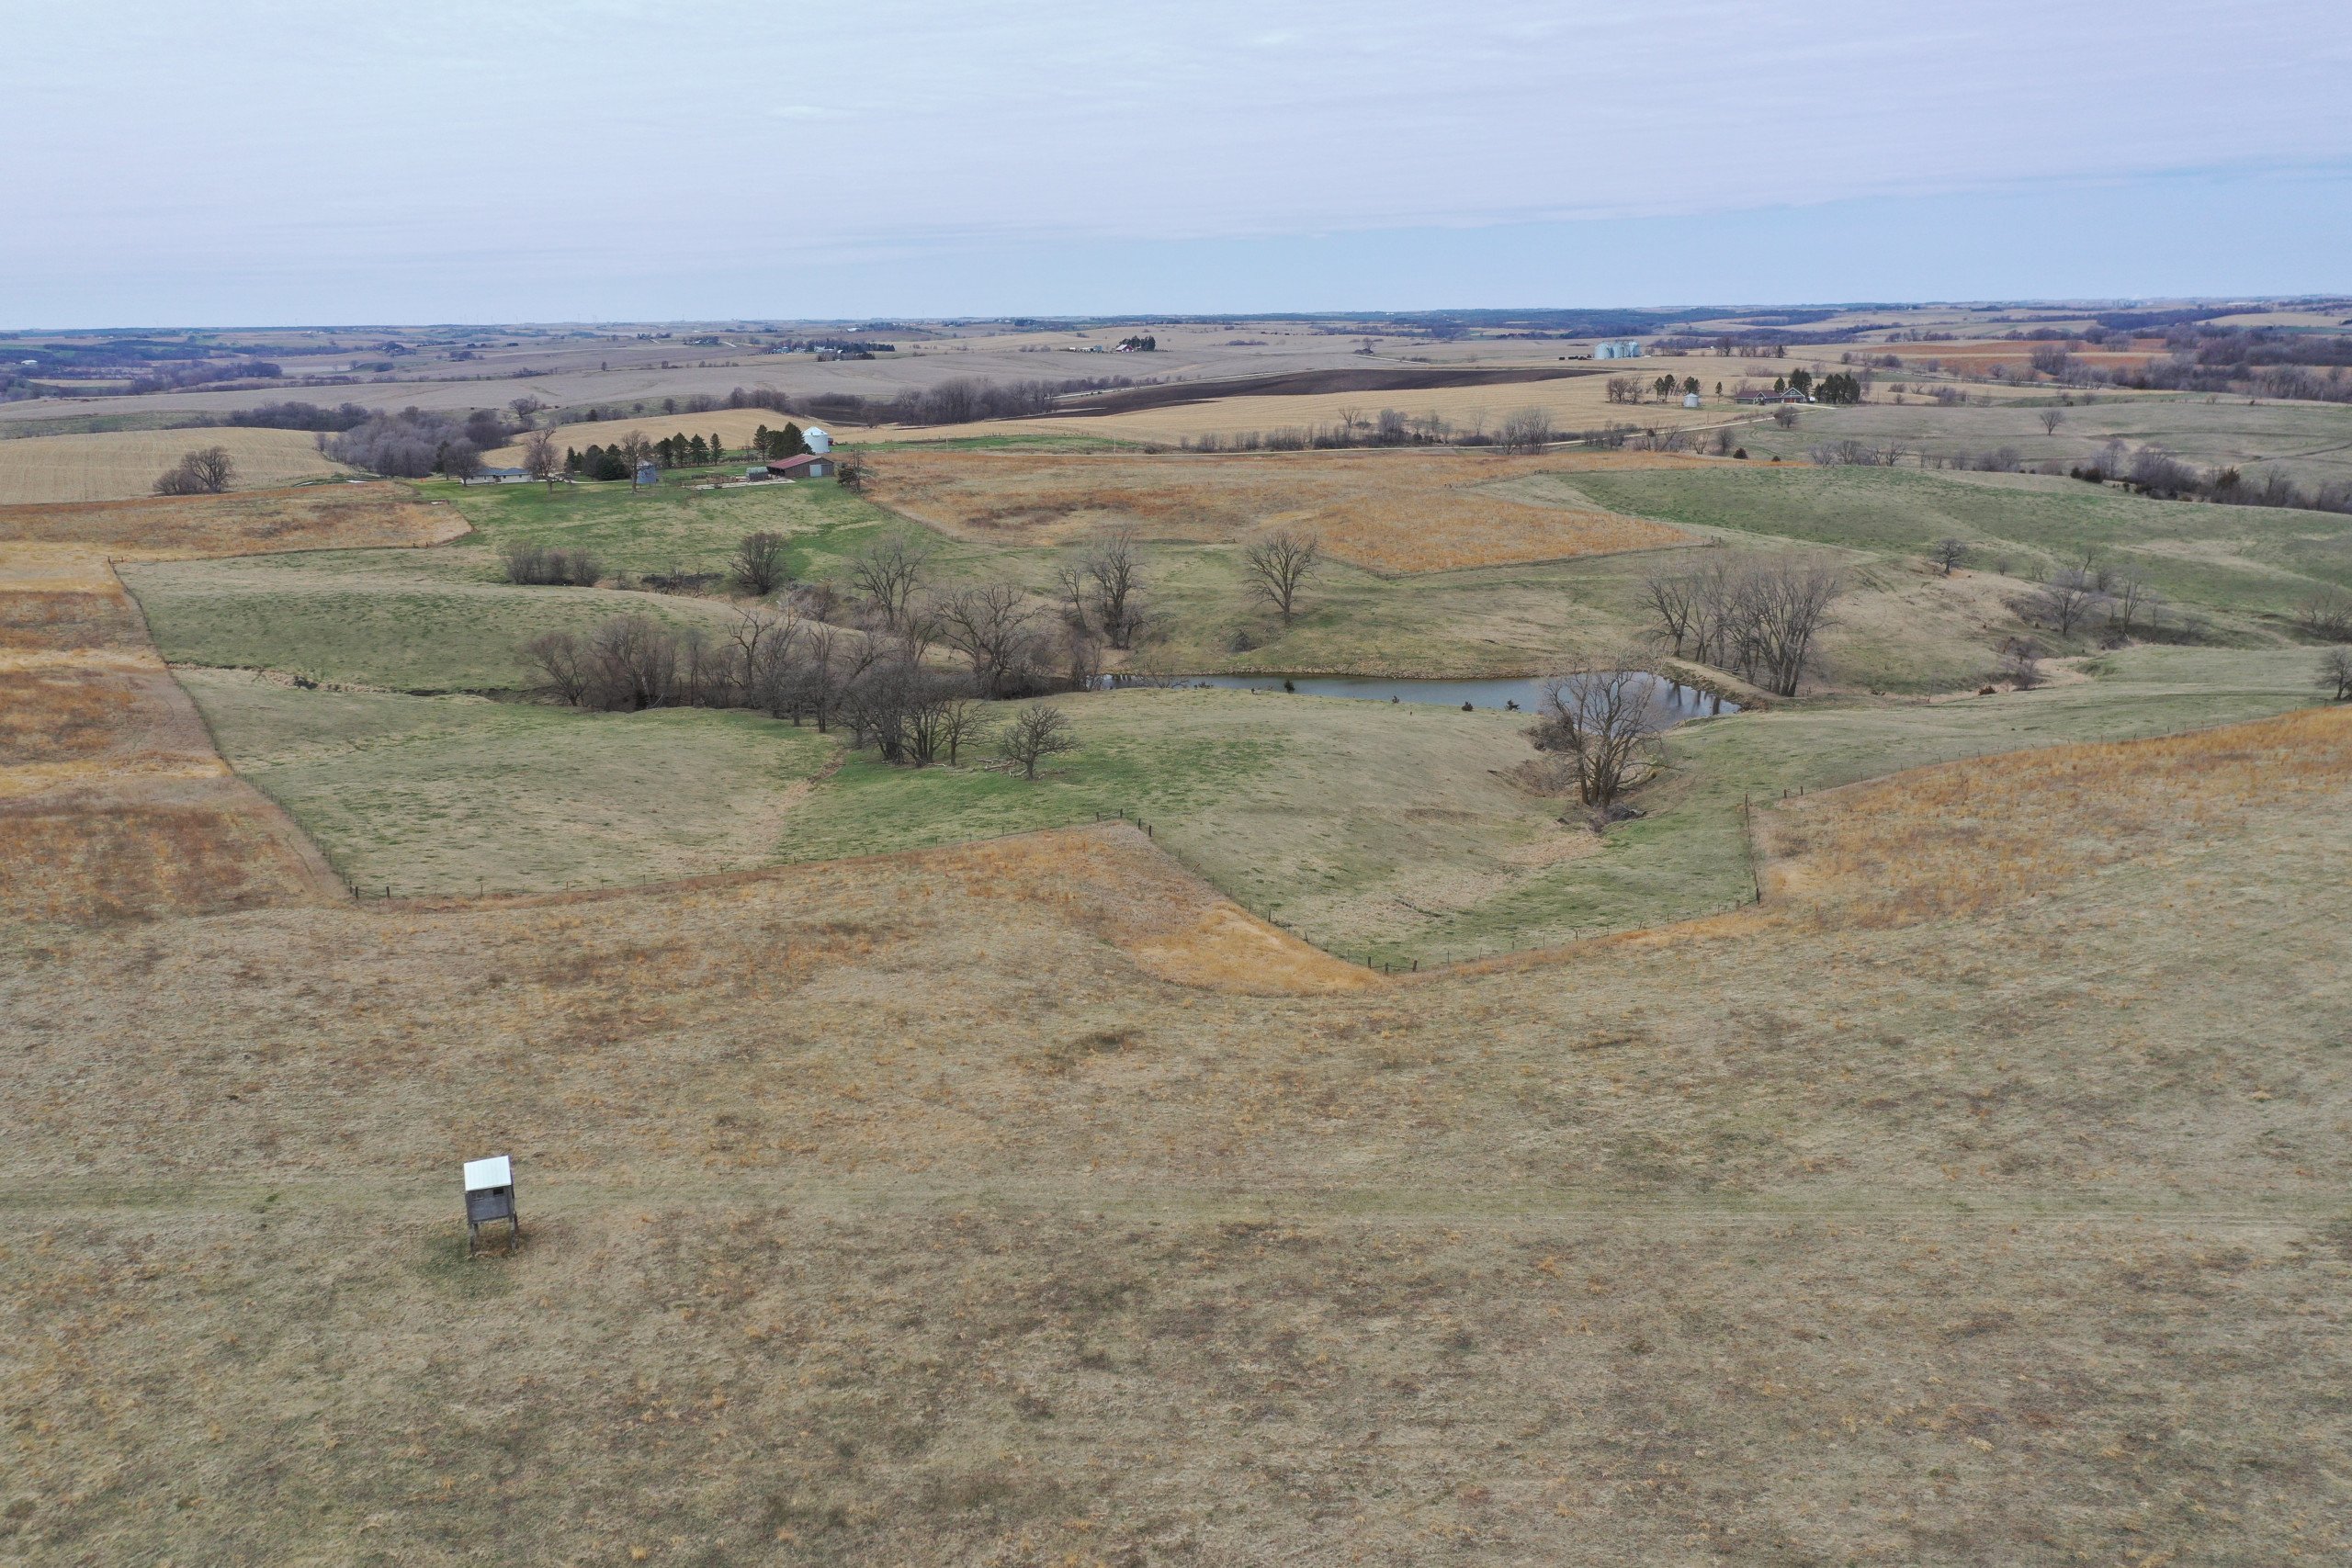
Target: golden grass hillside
{"type": "Point", "coordinates": [1397, 510]}
{"type": "Point", "coordinates": [119, 464]}
{"type": "Point", "coordinates": [113, 802]}
{"type": "Point", "coordinates": [885, 1212]}
{"type": "Point", "coordinates": [310, 517]}
{"type": "Point", "coordinates": [2000, 833]}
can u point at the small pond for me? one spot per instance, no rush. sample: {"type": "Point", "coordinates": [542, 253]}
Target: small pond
{"type": "Point", "coordinates": [1679, 701]}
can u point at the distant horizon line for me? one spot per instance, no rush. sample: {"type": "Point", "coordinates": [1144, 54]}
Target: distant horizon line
{"type": "Point", "coordinates": [1507, 315]}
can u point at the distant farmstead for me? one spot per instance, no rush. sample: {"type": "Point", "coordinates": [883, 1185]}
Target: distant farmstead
{"type": "Point", "coordinates": [1618, 348]}
{"type": "Point", "coordinates": [1774, 395]}
{"type": "Point", "coordinates": [808, 465]}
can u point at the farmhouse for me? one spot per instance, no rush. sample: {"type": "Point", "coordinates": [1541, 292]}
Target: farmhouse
{"type": "Point", "coordinates": [502, 476]}
{"type": "Point", "coordinates": [1618, 348]}
{"type": "Point", "coordinates": [1773, 395]}
{"type": "Point", "coordinates": [808, 465]}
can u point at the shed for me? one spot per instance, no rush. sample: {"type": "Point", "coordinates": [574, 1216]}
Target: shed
{"type": "Point", "coordinates": [1690, 400]}
{"type": "Point", "coordinates": [490, 1196]}
{"type": "Point", "coordinates": [649, 473]}
{"type": "Point", "coordinates": [808, 465]}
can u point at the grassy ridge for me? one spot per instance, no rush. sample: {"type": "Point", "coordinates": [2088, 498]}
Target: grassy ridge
{"type": "Point", "coordinates": [2254, 560]}
{"type": "Point", "coordinates": [1372, 829]}
{"type": "Point", "coordinates": [411, 620]}
{"type": "Point", "coordinates": [450, 795]}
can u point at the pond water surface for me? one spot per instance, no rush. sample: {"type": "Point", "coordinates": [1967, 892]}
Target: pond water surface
{"type": "Point", "coordinates": [1679, 701]}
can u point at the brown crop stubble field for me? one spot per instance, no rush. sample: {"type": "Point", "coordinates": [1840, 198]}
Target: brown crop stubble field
{"type": "Point", "coordinates": [883, 1212]}
{"type": "Point", "coordinates": [113, 802]}
{"type": "Point", "coordinates": [1392, 511]}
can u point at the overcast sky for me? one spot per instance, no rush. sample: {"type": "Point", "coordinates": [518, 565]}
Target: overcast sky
{"type": "Point", "coordinates": [254, 161]}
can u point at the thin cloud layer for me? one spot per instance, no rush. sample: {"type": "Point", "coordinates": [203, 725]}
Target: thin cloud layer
{"type": "Point", "coordinates": [254, 138]}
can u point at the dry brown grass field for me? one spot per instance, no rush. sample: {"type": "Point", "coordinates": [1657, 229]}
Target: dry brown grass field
{"type": "Point", "coordinates": [312, 517]}
{"type": "Point", "coordinates": [904, 1210]}
{"type": "Point", "coordinates": [1573, 403]}
{"type": "Point", "coordinates": [121, 464]}
{"type": "Point", "coordinates": [113, 802]}
{"type": "Point", "coordinates": [1390, 511]}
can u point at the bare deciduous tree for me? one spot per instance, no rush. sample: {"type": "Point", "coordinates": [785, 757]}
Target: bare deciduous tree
{"type": "Point", "coordinates": [994, 627]}
{"type": "Point", "coordinates": [890, 571]}
{"type": "Point", "coordinates": [1114, 570]}
{"type": "Point", "coordinates": [1948, 553]}
{"type": "Point", "coordinates": [758, 563]}
{"type": "Point", "coordinates": [561, 660]}
{"type": "Point", "coordinates": [2130, 600]}
{"type": "Point", "coordinates": [2021, 665]}
{"type": "Point", "coordinates": [2067, 600]}
{"type": "Point", "coordinates": [959, 720]}
{"type": "Point", "coordinates": [461, 460]}
{"type": "Point", "coordinates": [2336, 672]}
{"type": "Point", "coordinates": [1600, 722]}
{"type": "Point", "coordinates": [2051, 420]}
{"type": "Point", "coordinates": [2326, 614]}
{"type": "Point", "coordinates": [209, 470]}
{"type": "Point", "coordinates": [1279, 565]}
{"type": "Point", "coordinates": [1673, 601]}
{"type": "Point", "coordinates": [1037, 731]}
{"type": "Point", "coordinates": [541, 459]}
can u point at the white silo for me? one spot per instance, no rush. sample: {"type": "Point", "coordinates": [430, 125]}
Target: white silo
{"type": "Point", "coordinates": [818, 438]}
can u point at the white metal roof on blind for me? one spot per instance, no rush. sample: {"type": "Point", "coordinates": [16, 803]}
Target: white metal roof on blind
{"type": "Point", "coordinates": [495, 1171]}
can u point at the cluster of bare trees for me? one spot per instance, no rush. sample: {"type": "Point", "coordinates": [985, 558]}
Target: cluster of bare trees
{"type": "Point", "coordinates": [1757, 615]}
{"type": "Point", "coordinates": [206, 471]}
{"type": "Point", "coordinates": [1602, 726]}
{"type": "Point", "coordinates": [880, 688]}
{"type": "Point", "coordinates": [2074, 597]}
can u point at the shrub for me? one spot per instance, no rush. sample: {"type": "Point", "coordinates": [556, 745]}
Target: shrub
{"type": "Point", "coordinates": [539, 566]}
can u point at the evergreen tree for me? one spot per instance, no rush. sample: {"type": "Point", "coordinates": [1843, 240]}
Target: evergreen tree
{"type": "Point", "coordinates": [699, 451]}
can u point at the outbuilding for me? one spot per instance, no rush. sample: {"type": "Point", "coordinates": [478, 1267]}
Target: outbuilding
{"type": "Point", "coordinates": [1618, 348]}
{"type": "Point", "coordinates": [808, 465]}
{"type": "Point", "coordinates": [818, 439]}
